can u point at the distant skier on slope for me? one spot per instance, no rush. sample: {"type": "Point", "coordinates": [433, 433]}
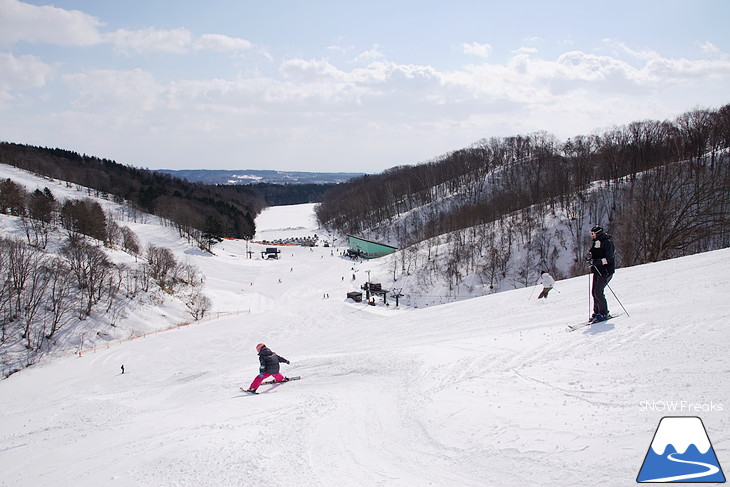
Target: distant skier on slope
{"type": "Point", "coordinates": [547, 284]}
{"type": "Point", "coordinates": [601, 261]}
{"type": "Point", "coordinates": [269, 366]}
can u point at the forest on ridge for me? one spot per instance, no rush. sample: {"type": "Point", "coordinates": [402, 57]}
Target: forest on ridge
{"type": "Point", "coordinates": [661, 187]}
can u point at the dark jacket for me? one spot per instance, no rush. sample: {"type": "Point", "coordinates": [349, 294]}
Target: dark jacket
{"type": "Point", "coordinates": [270, 361]}
{"type": "Point", "coordinates": [602, 255]}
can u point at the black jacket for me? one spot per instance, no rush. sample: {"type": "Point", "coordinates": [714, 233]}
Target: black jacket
{"type": "Point", "coordinates": [270, 361]}
{"type": "Point", "coordinates": [602, 254]}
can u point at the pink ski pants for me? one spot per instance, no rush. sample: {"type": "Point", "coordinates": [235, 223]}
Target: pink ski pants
{"type": "Point", "coordinates": [260, 378]}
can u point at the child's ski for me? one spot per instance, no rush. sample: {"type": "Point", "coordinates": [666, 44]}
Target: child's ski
{"type": "Point", "coordinates": [270, 382]}
{"type": "Point", "coordinates": [286, 379]}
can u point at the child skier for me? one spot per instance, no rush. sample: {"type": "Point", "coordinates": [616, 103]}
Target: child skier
{"type": "Point", "coordinates": [269, 366]}
{"type": "Point", "coordinates": [547, 284]}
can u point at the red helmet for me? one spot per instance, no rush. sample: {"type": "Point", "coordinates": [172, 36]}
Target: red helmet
{"type": "Point", "coordinates": [259, 347]}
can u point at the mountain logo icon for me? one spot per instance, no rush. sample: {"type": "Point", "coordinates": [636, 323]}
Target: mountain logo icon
{"type": "Point", "coordinates": [681, 452]}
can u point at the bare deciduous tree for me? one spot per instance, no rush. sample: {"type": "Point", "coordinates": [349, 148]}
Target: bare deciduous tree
{"type": "Point", "coordinates": [130, 242]}
{"type": "Point", "coordinates": [198, 304]}
{"type": "Point", "coordinates": [163, 265]}
{"type": "Point", "coordinates": [90, 265]}
{"type": "Point", "coordinates": [672, 210]}
{"type": "Point", "coordinates": [59, 296]}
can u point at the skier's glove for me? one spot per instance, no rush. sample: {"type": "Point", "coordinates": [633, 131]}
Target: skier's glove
{"type": "Point", "coordinates": [287, 362]}
{"type": "Point", "coordinates": [590, 262]}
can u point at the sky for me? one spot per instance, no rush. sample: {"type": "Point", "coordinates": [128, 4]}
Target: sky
{"type": "Point", "coordinates": [345, 86]}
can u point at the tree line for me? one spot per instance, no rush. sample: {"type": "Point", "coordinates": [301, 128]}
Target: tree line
{"type": "Point", "coordinates": [291, 194]}
{"type": "Point", "coordinates": [638, 179]}
{"type": "Point", "coordinates": [193, 207]}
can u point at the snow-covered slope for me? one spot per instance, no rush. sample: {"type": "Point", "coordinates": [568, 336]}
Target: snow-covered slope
{"type": "Point", "coordinates": [490, 391]}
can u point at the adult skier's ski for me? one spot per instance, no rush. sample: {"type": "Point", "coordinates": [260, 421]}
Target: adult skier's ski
{"type": "Point", "coordinates": [287, 379]}
{"type": "Point", "coordinates": [590, 322]}
{"type": "Point", "coordinates": [247, 391]}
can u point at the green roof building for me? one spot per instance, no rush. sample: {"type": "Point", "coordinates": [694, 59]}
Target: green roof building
{"type": "Point", "coordinates": [367, 248]}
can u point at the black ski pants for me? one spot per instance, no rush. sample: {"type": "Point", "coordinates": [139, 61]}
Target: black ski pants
{"type": "Point", "coordinates": [600, 306]}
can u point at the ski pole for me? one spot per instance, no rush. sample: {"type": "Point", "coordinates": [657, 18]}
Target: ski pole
{"type": "Point", "coordinates": [533, 290]}
{"type": "Point", "coordinates": [617, 299]}
{"type": "Point", "coordinates": [590, 294]}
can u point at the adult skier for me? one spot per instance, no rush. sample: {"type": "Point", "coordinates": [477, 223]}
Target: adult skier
{"type": "Point", "coordinates": [547, 284]}
{"type": "Point", "coordinates": [601, 260]}
{"type": "Point", "coordinates": [269, 366]}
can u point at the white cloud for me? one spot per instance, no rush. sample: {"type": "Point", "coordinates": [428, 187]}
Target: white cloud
{"type": "Point", "coordinates": [109, 91]}
{"type": "Point", "coordinates": [578, 65]}
{"type": "Point", "coordinates": [621, 47]}
{"type": "Point", "coordinates": [487, 83]}
{"type": "Point", "coordinates": [309, 71]}
{"type": "Point", "coordinates": [151, 40]}
{"type": "Point", "coordinates": [22, 22]}
{"type": "Point", "coordinates": [709, 47]}
{"type": "Point", "coordinates": [658, 70]}
{"type": "Point", "coordinates": [19, 73]}
{"type": "Point", "coordinates": [667, 70]}
{"type": "Point", "coordinates": [477, 49]}
{"type": "Point", "coordinates": [370, 55]}
{"type": "Point", "coordinates": [339, 49]}
{"type": "Point", "coordinates": [383, 93]}
{"type": "Point", "coordinates": [528, 79]}
{"type": "Point", "coordinates": [220, 42]}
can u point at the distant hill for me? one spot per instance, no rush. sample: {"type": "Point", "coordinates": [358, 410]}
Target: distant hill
{"type": "Point", "coordinates": [254, 176]}
{"type": "Point", "coordinates": [194, 207]}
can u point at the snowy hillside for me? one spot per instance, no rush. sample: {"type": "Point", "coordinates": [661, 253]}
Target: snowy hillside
{"type": "Point", "coordinates": [491, 391]}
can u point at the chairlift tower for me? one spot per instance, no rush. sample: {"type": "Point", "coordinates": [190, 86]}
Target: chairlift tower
{"type": "Point", "coordinates": [396, 294]}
